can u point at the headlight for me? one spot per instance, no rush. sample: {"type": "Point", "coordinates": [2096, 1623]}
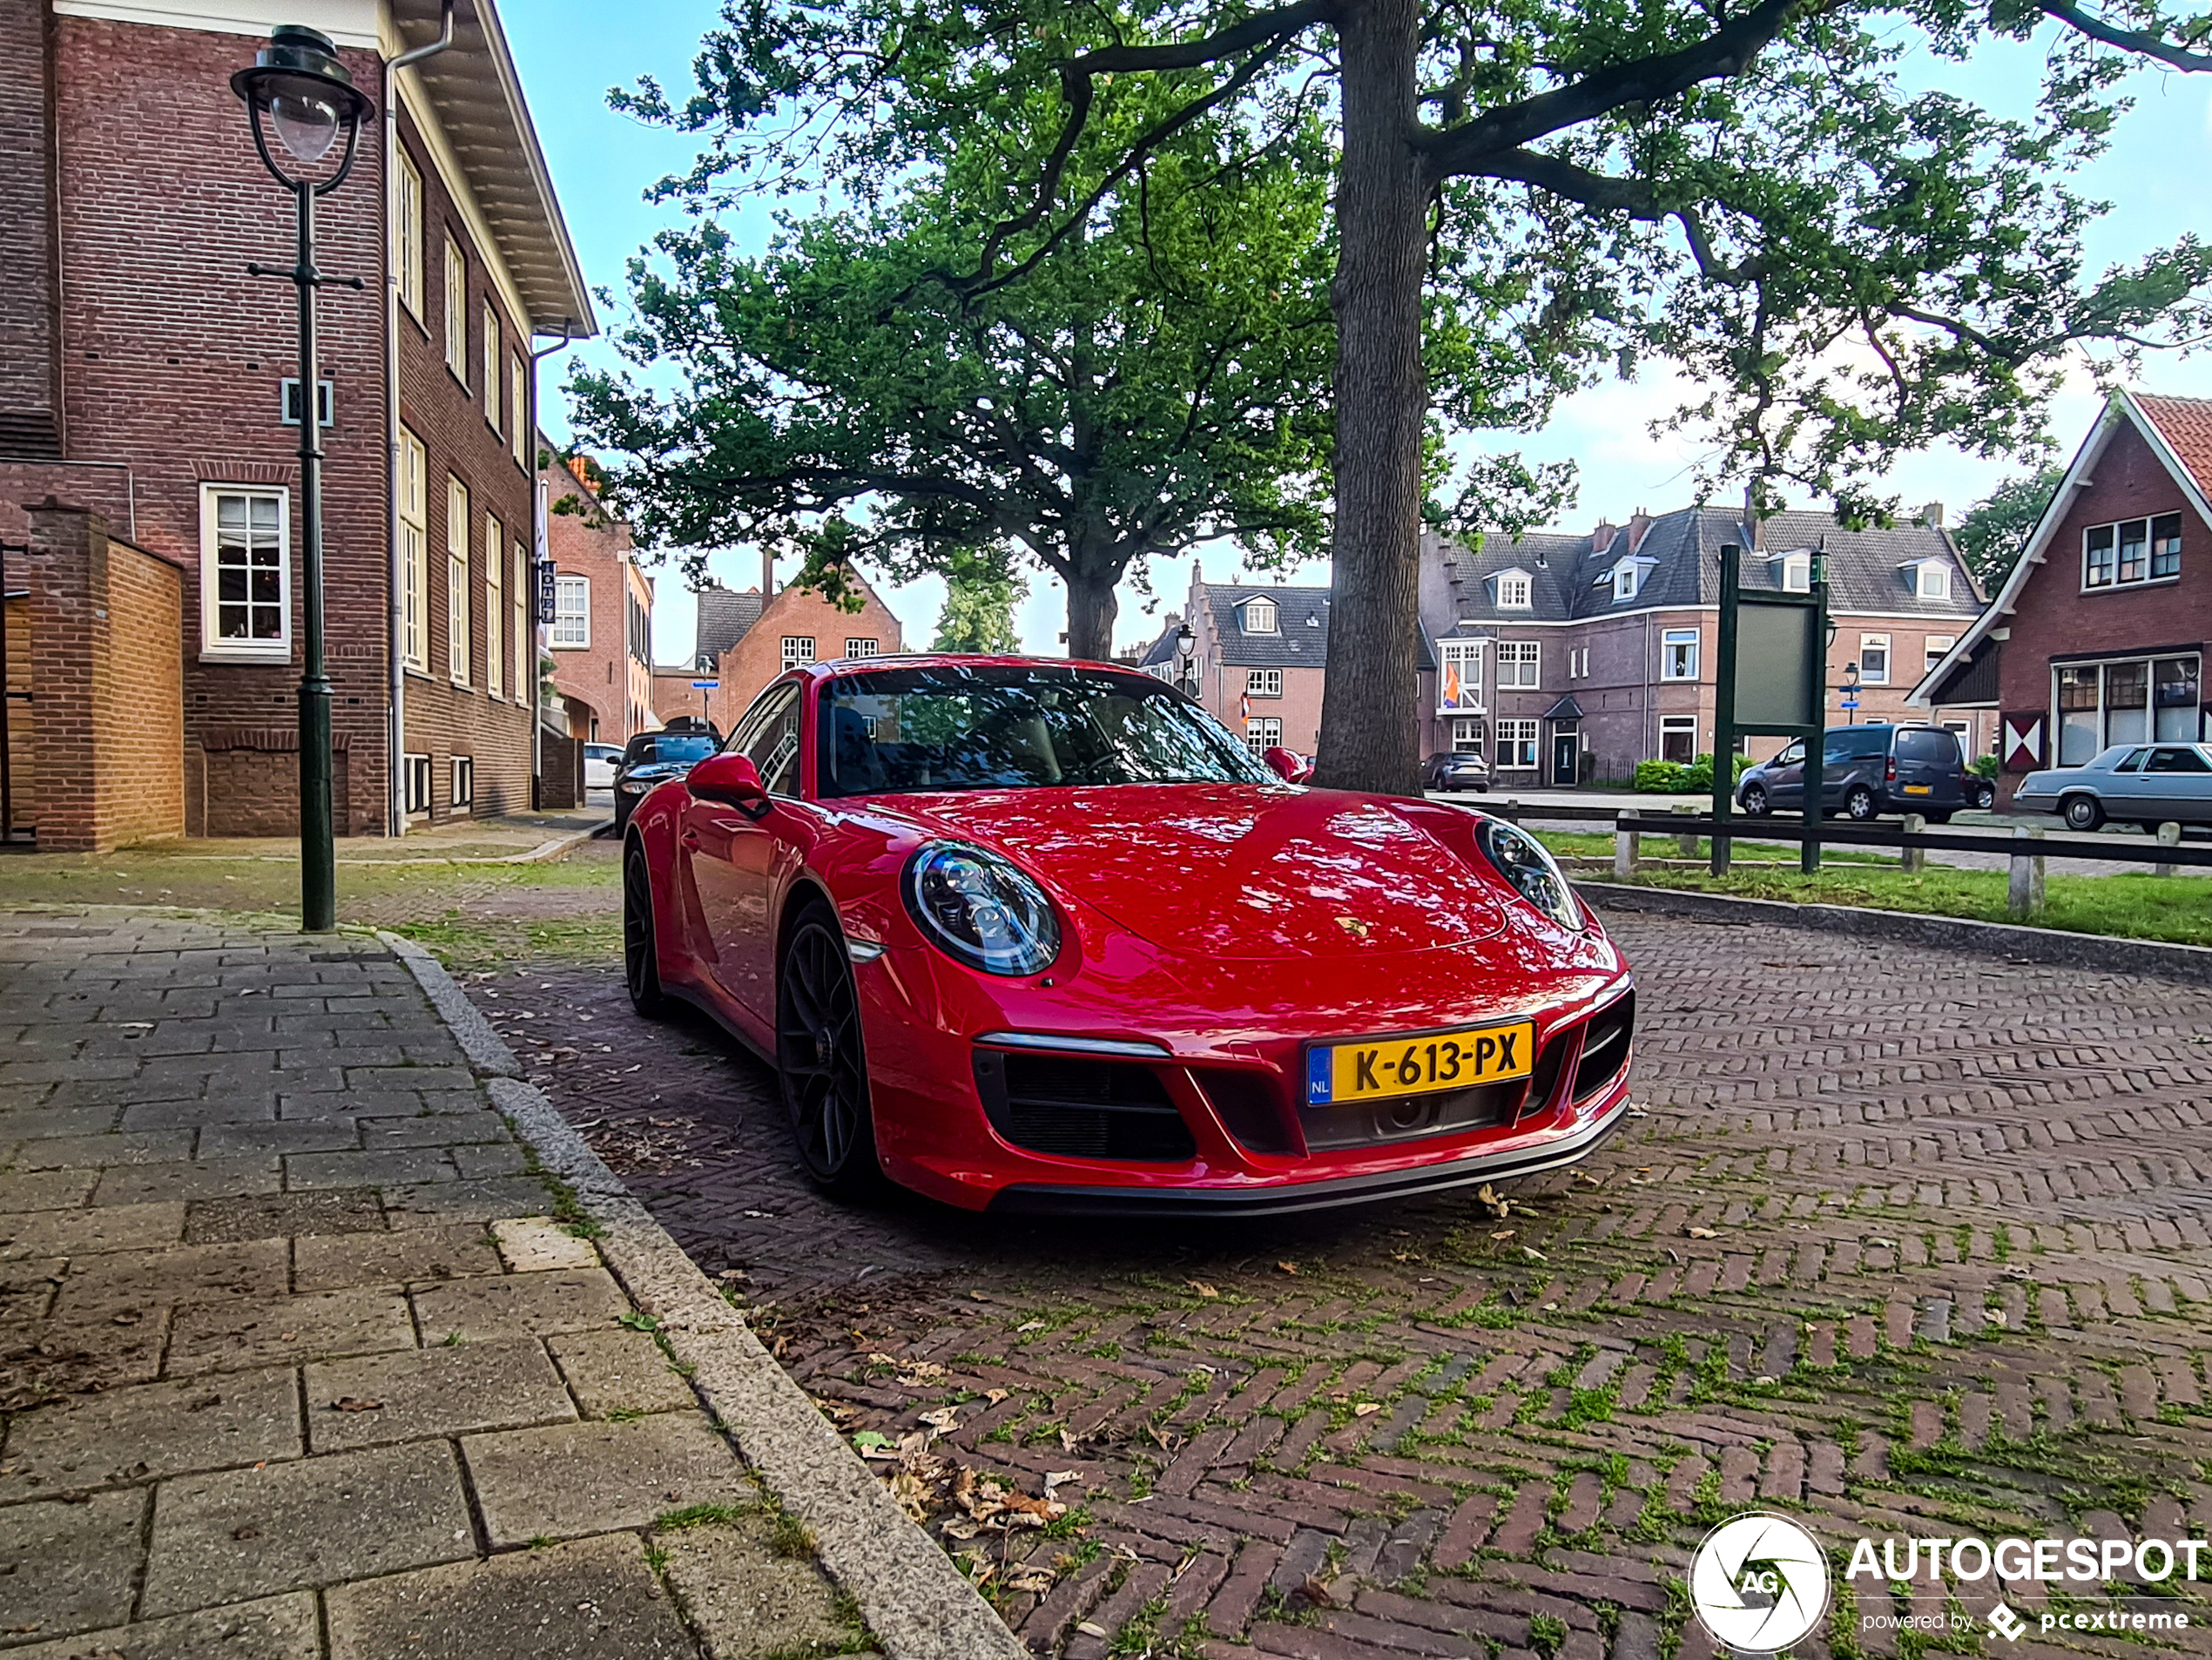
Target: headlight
{"type": "Point", "coordinates": [633, 787]}
{"type": "Point", "coordinates": [1525, 862]}
{"type": "Point", "coordinates": [981, 910]}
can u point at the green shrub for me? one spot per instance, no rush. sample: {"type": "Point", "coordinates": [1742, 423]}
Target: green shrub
{"type": "Point", "coordinates": [1983, 766]}
{"type": "Point", "coordinates": [1664, 777]}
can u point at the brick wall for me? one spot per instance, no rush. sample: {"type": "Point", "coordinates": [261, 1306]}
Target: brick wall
{"type": "Point", "coordinates": [104, 623]}
{"type": "Point", "coordinates": [27, 332]}
{"type": "Point", "coordinates": [446, 413]}
{"type": "Point", "coordinates": [800, 613]}
{"type": "Point", "coordinates": [602, 675]}
{"type": "Point", "coordinates": [15, 617]}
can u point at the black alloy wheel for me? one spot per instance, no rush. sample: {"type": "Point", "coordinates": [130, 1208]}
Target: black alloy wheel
{"type": "Point", "coordinates": [640, 955]}
{"type": "Point", "coordinates": [1755, 802]}
{"type": "Point", "coordinates": [1858, 803]}
{"type": "Point", "coordinates": [819, 1062]}
{"type": "Point", "coordinates": [2082, 812]}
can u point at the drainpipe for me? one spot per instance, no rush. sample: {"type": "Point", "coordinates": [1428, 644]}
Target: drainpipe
{"type": "Point", "coordinates": [396, 773]}
{"type": "Point", "coordinates": [540, 554]}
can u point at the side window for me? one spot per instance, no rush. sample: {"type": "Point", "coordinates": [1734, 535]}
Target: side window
{"type": "Point", "coordinates": [2176, 760]}
{"type": "Point", "coordinates": [1793, 755]}
{"type": "Point", "coordinates": [768, 736]}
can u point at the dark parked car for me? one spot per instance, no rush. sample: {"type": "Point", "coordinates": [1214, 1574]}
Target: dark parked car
{"type": "Point", "coordinates": [1455, 769]}
{"type": "Point", "coordinates": [1865, 771]}
{"type": "Point", "coordinates": [652, 756]}
{"type": "Point", "coordinates": [2148, 783]}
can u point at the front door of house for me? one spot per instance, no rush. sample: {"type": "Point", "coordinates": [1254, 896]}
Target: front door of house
{"type": "Point", "coordinates": [1567, 753]}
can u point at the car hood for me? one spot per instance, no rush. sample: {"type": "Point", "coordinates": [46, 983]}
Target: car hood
{"type": "Point", "coordinates": [1238, 870]}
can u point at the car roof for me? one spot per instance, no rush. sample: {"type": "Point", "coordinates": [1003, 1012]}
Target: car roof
{"type": "Point", "coordinates": [840, 667]}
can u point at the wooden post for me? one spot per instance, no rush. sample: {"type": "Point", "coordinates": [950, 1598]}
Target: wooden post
{"type": "Point", "coordinates": [1686, 843]}
{"type": "Point", "coordinates": [2024, 891]}
{"type": "Point", "coordinates": [1915, 859]}
{"type": "Point", "coordinates": [2169, 835]}
{"type": "Point", "coordinates": [1510, 812]}
{"type": "Point", "coordinates": [1628, 848]}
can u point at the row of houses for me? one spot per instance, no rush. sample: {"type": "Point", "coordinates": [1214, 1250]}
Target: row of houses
{"type": "Point", "coordinates": [1561, 658]}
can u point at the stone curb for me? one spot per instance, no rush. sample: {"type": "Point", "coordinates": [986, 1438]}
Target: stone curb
{"type": "Point", "coordinates": [917, 1603]}
{"type": "Point", "coordinates": [2098, 953]}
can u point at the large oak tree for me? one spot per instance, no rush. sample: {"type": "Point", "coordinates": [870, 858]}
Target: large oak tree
{"type": "Point", "coordinates": [1745, 191]}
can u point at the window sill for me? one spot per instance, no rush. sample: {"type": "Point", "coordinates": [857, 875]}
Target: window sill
{"type": "Point", "coordinates": [554, 646]}
{"type": "Point", "coordinates": [2130, 587]}
{"type": "Point", "coordinates": [270, 657]}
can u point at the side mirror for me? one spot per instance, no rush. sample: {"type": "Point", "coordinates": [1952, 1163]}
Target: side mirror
{"type": "Point", "coordinates": [733, 778]}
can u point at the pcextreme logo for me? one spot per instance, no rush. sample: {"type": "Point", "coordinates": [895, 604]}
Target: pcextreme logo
{"type": "Point", "coordinates": [1759, 1584]}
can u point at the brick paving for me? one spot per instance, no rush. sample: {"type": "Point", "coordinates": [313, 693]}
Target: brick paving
{"type": "Point", "coordinates": [293, 1363]}
{"type": "Point", "coordinates": [1904, 1241]}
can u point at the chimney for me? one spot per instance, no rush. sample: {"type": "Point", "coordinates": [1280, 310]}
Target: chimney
{"type": "Point", "coordinates": [768, 572]}
{"type": "Point", "coordinates": [1638, 527]}
{"type": "Point", "coordinates": [1932, 516]}
{"type": "Point", "coordinates": [1751, 524]}
{"type": "Point", "coordinates": [1602, 538]}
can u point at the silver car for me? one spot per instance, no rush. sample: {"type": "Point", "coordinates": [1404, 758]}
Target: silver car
{"type": "Point", "coordinates": [2144, 784]}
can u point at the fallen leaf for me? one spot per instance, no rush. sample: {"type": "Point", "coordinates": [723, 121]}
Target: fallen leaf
{"type": "Point", "coordinates": [1532, 1254]}
{"type": "Point", "coordinates": [1055, 1480]}
{"type": "Point", "coordinates": [1702, 1233]}
{"type": "Point", "coordinates": [1068, 1441]}
{"type": "Point", "coordinates": [1315, 1593]}
{"type": "Point", "coordinates": [1487, 1195]}
{"type": "Point", "coordinates": [246, 1533]}
{"type": "Point", "coordinates": [1286, 1268]}
{"type": "Point", "coordinates": [1367, 1408]}
{"type": "Point", "coordinates": [1200, 1288]}
{"type": "Point", "coordinates": [992, 1397]}
{"type": "Point", "coordinates": [875, 1441]}
{"type": "Point", "coordinates": [354, 1403]}
{"type": "Point", "coordinates": [944, 1419]}
{"type": "Point", "coordinates": [1504, 1234]}
{"type": "Point", "coordinates": [1026, 1578]}
{"type": "Point", "coordinates": [1092, 1629]}
{"type": "Point", "coordinates": [1030, 1325]}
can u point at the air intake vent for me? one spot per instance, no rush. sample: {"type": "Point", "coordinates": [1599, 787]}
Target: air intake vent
{"type": "Point", "coordinates": [1080, 1108]}
{"type": "Point", "coordinates": [1250, 1106]}
{"type": "Point", "coordinates": [1605, 1046]}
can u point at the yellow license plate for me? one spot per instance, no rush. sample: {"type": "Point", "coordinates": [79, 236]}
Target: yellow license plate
{"type": "Point", "coordinates": [1919, 789]}
{"type": "Point", "coordinates": [1387, 1068]}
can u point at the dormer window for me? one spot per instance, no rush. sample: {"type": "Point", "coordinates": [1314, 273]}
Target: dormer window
{"type": "Point", "coordinates": [1930, 578]}
{"type": "Point", "coordinates": [1625, 581]}
{"type": "Point", "coordinates": [1796, 572]}
{"type": "Point", "coordinates": [1257, 616]}
{"type": "Point", "coordinates": [1515, 591]}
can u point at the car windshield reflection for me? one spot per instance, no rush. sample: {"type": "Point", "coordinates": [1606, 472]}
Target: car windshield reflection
{"type": "Point", "coordinates": [956, 727]}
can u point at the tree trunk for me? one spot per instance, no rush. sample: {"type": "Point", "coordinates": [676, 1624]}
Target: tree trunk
{"type": "Point", "coordinates": [1370, 724]}
{"type": "Point", "coordinates": [1091, 608]}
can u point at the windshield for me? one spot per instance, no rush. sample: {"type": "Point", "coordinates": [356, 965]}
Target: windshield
{"type": "Point", "coordinates": [999, 728]}
{"type": "Point", "coordinates": [684, 749]}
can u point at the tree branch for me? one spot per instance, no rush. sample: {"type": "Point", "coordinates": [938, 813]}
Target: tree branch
{"type": "Point", "coordinates": [1611, 194]}
{"type": "Point", "coordinates": [2131, 40]}
{"type": "Point", "coordinates": [1192, 54]}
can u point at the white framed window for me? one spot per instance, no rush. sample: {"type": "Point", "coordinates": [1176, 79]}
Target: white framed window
{"type": "Point", "coordinates": [1467, 737]}
{"type": "Point", "coordinates": [799, 650]}
{"type": "Point", "coordinates": [1518, 662]}
{"type": "Point", "coordinates": [1937, 647]}
{"type": "Point", "coordinates": [1257, 616]}
{"type": "Point", "coordinates": [464, 782]}
{"type": "Point", "coordinates": [418, 782]}
{"type": "Point", "coordinates": [495, 610]}
{"type": "Point", "coordinates": [525, 639]}
{"type": "Point", "coordinates": [518, 410]}
{"type": "Point", "coordinates": [1678, 739]}
{"type": "Point", "coordinates": [1874, 659]}
{"type": "Point", "coordinates": [1933, 579]}
{"type": "Point", "coordinates": [1796, 572]}
{"type": "Point", "coordinates": [1678, 654]}
{"type": "Point", "coordinates": [1459, 678]}
{"type": "Point", "coordinates": [1262, 733]}
{"type": "Point", "coordinates": [415, 555]}
{"type": "Point", "coordinates": [244, 574]}
{"type": "Point", "coordinates": [1625, 581]}
{"type": "Point", "coordinates": [861, 647]}
{"type": "Point", "coordinates": [1515, 591]}
{"type": "Point", "coordinates": [2130, 700]}
{"type": "Point", "coordinates": [491, 365]}
{"type": "Point", "coordinates": [2131, 550]}
{"type": "Point", "coordinates": [407, 236]}
{"type": "Point", "coordinates": [1517, 745]}
{"type": "Point", "coordinates": [457, 311]}
{"type": "Point", "coordinates": [1264, 683]}
{"type": "Point", "coordinates": [571, 612]}
{"type": "Point", "coordinates": [457, 607]}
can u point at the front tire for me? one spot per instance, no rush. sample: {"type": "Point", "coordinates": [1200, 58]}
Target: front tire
{"type": "Point", "coordinates": [640, 951]}
{"type": "Point", "coordinates": [819, 1062]}
{"type": "Point", "coordinates": [1858, 803]}
{"type": "Point", "coordinates": [1755, 805]}
{"type": "Point", "coordinates": [2082, 812]}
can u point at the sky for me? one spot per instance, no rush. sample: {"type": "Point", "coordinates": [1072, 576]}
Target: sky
{"type": "Point", "coordinates": [602, 162]}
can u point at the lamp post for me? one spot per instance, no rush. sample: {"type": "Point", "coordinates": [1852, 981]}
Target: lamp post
{"type": "Point", "coordinates": [1186, 644]}
{"type": "Point", "coordinates": [1851, 692]}
{"type": "Point", "coordinates": [298, 85]}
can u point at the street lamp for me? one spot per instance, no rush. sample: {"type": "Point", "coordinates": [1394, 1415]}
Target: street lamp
{"type": "Point", "coordinates": [1186, 644]}
{"type": "Point", "coordinates": [297, 85]}
{"type": "Point", "coordinates": [1850, 692]}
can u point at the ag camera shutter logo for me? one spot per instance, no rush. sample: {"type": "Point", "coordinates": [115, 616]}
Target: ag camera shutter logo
{"type": "Point", "coordinates": [1759, 1584]}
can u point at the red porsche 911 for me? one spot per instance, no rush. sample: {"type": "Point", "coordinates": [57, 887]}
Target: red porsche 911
{"type": "Point", "coordinates": [1042, 935]}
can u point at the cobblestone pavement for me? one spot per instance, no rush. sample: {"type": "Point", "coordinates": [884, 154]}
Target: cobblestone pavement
{"type": "Point", "coordinates": [1906, 1242]}
{"type": "Point", "coordinates": [293, 1363]}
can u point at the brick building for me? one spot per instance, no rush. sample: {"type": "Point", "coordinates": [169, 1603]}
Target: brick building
{"type": "Point", "coordinates": [1566, 657]}
{"type": "Point", "coordinates": [601, 638]}
{"type": "Point", "coordinates": [1259, 656]}
{"type": "Point", "coordinates": [744, 640]}
{"type": "Point", "coordinates": [2099, 634]}
{"type": "Point", "coordinates": [144, 374]}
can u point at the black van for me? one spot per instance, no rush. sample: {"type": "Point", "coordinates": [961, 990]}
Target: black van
{"type": "Point", "coordinates": [1865, 771]}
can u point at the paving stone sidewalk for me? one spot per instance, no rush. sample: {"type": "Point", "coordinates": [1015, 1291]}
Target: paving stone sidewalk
{"type": "Point", "coordinates": [293, 1360]}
